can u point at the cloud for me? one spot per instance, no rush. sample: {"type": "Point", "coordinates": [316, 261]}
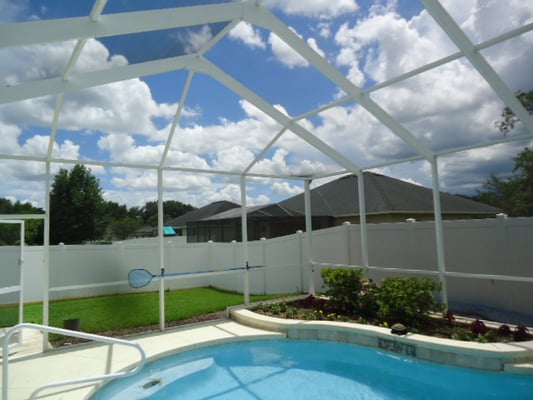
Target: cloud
{"type": "Point", "coordinates": [49, 60]}
{"type": "Point", "coordinates": [128, 121]}
{"type": "Point", "coordinates": [314, 8]}
{"type": "Point", "coordinates": [447, 107]}
{"type": "Point", "coordinates": [9, 11]}
{"type": "Point", "coordinates": [284, 53]}
{"type": "Point", "coordinates": [194, 40]}
{"type": "Point", "coordinates": [246, 33]}
{"type": "Point", "coordinates": [384, 45]}
{"type": "Point", "coordinates": [472, 16]}
{"type": "Point", "coordinates": [285, 189]}
{"type": "Point", "coordinates": [287, 55]}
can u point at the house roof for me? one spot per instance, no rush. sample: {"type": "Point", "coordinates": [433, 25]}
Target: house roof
{"type": "Point", "coordinates": [383, 194]}
{"type": "Point", "coordinates": [204, 212]}
{"type": "Point", "coordinates": [257, 212]}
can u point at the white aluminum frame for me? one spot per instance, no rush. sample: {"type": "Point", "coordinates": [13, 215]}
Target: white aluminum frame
{"type": "Point", "coordinates": [97, 25]}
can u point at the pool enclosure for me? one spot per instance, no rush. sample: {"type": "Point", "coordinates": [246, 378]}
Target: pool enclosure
{"type": "Point", "coordinates": [136, 43]}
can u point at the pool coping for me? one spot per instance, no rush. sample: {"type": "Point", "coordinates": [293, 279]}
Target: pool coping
{"type": "Point", "coordinates": [515, 357]}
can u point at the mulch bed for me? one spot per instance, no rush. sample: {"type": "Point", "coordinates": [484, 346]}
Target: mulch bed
{"type": "Point", "coordinates": [467, 328]}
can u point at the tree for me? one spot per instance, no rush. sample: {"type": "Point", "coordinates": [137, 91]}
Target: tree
{"type": "Point", "coordinates": [513, 194]}
{"type": "Point", "coordinates": [10, 233]}
{"type": "Point", "coordinates": [509, 119]}
{"type": "Point", "coordinates": [118, 221]}
{"type": "Point", "coordinates": [76, 207]}
{"type": "Point", "coordinates": [171, 209]}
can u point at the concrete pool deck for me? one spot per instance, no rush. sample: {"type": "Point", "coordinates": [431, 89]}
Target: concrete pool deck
{"type": "Point", "coordinates": [27, 371]}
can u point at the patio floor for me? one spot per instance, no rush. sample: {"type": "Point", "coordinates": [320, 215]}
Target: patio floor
{"type": "Point", "coordinates": [27, 371]}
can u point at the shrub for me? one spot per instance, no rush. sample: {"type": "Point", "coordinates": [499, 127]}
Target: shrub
{"type": "Point", "coordinates": [367, 302]}
{"type": "Point", "coordinates": [449, 316]}
{"type": "Point", "coordinates": [478, 327]}
{"type": "Point", "coordinates": [407, 300]}
{"type": "Point", "coordinates": [343, 286]}
{"type": "Point", "coordinates": [504, 330]}
{"type": "Point", "coordinates": [520, 332]}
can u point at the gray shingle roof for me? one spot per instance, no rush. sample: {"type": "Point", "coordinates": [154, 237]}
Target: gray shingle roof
{"type": "Point", "coordinates": [258, 212]}
{"type": "Point", "coordinates": [204, 212]}
{"type": "Point", "coordinates": [383, 194]}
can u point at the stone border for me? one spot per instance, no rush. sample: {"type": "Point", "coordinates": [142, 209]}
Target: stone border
{"type": "Point", "coordinates": [514, 357]}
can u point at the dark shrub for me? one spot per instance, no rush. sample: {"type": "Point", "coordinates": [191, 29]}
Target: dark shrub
{"type": "Point", "coordinates": [311, 302]}
{"type": "Point", "coordinates": [407, 300]}
{"type": "Point", "coordinates": [478, 327]}
{"type": "Point", "coordinates": [449, 316]}
{"type": "Point", "coordinates": [520, 332]}
{"type": "Point", "coordinates": [504, 330]}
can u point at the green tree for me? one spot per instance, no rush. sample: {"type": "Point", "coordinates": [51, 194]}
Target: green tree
{"type": "Point", "coordinates": [509, 120]}
{"type": "Point", "coordinates": [10, 233]}
{"type": "Point", "coordinates": [171, 209]}
{"type": "Point", "coordinates": [76, 207]}
{"type": "Point", "coordinates": [118, 221]}
{"type": "Point", "coordinates": [514, 194]}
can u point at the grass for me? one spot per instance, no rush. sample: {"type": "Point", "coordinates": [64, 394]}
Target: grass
{"type": "Point", "coordinates": [127, 311]}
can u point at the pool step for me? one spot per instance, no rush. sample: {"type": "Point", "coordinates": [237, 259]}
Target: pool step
{"type": "Point", "coordinates": [519, 368]}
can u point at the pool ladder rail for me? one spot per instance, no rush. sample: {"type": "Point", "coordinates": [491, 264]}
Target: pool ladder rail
{"type": "Point", "coordinates": [82, 335]}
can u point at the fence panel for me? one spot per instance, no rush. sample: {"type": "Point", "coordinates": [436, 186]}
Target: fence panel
{"type": "Point", "coordinates": [498, 246]}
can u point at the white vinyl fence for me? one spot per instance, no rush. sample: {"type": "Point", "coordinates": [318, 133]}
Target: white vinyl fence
{"type": "Point", "coordinates": [489, 262]}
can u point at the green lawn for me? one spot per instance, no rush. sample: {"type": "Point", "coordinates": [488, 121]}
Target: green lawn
{"type": "Point", "coordinates": [103, 313]}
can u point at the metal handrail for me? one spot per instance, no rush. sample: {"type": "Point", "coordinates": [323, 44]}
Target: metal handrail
{"type": "Point", "coordinates": [81, 335]}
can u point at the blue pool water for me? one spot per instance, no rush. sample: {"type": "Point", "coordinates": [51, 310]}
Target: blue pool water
{"type": "Point", "coordinates": [287, 369]}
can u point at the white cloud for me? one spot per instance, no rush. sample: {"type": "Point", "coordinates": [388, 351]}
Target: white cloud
{"type": "Point", "coordinates": [284, 53]}
{"type": "Point", "coordinates": [246, 33]}
{"type": "Point", "coordinates": [388, 45]}
{"type": "Point", "coordinates": [314, 8]}
{"type": "Point", "coordinates": [194, 40]}
{"type": "Point", "coordinates": [10, 10]}
{"type": "Point", "coordinates": [287, 55]}
{"type": "Point", "coordinates": [472, 16]}
{"type": "Point", "coordinates": [286, 189]}
{"type": "Point", "coordinates": [445, 107]}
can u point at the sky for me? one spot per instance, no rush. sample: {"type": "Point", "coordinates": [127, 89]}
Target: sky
{"type": "Point", "coordinates": [368, 41]}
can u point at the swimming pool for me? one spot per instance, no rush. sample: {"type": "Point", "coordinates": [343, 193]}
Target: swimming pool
{"type": "Point", "coordinates": [294, 369]}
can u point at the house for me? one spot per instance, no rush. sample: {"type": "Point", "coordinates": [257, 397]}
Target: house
{"type": "Point", "coordinates": [386, 200]}
{"type": "Point", "coordinates": [266, 221]}
{"type": "Point", "coordinates": [179, 224]}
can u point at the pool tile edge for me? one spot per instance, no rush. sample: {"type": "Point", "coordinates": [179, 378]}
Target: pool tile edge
{"type": "Point", "coordinates": [511, 357]}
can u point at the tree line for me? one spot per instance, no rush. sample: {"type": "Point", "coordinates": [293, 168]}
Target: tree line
{"type": "Point", "coordinates": [79, 214]}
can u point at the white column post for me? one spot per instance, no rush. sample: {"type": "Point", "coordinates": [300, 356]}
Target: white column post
{"type": "Point", "coordinates": [46, 256]}
{"type": "Point", "coordinates": [244, 228]}
{"type": "Point", "coordinates": [161, 235]}
{"type": "Point", "coordinates": [264, 263]}
{"type": "Point", "coordinates": [21, 278]}
{"type": "Point", "coordinates": [309, 231]}
{"type": "Point", "coordinates": [439, 235]}
{"type": "Point", "coordinates": [362, 218]}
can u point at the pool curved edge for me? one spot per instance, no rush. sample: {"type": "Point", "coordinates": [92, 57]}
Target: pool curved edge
{"type": "Point", "coordinates": [516, 357]}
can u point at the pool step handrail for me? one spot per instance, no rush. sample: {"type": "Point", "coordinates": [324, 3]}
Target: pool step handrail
{"type": "Point", "coordinates": [82, 335]}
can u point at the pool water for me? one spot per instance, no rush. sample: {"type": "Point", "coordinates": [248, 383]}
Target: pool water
{"type": "Point", "coordinates": [287, 369]}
